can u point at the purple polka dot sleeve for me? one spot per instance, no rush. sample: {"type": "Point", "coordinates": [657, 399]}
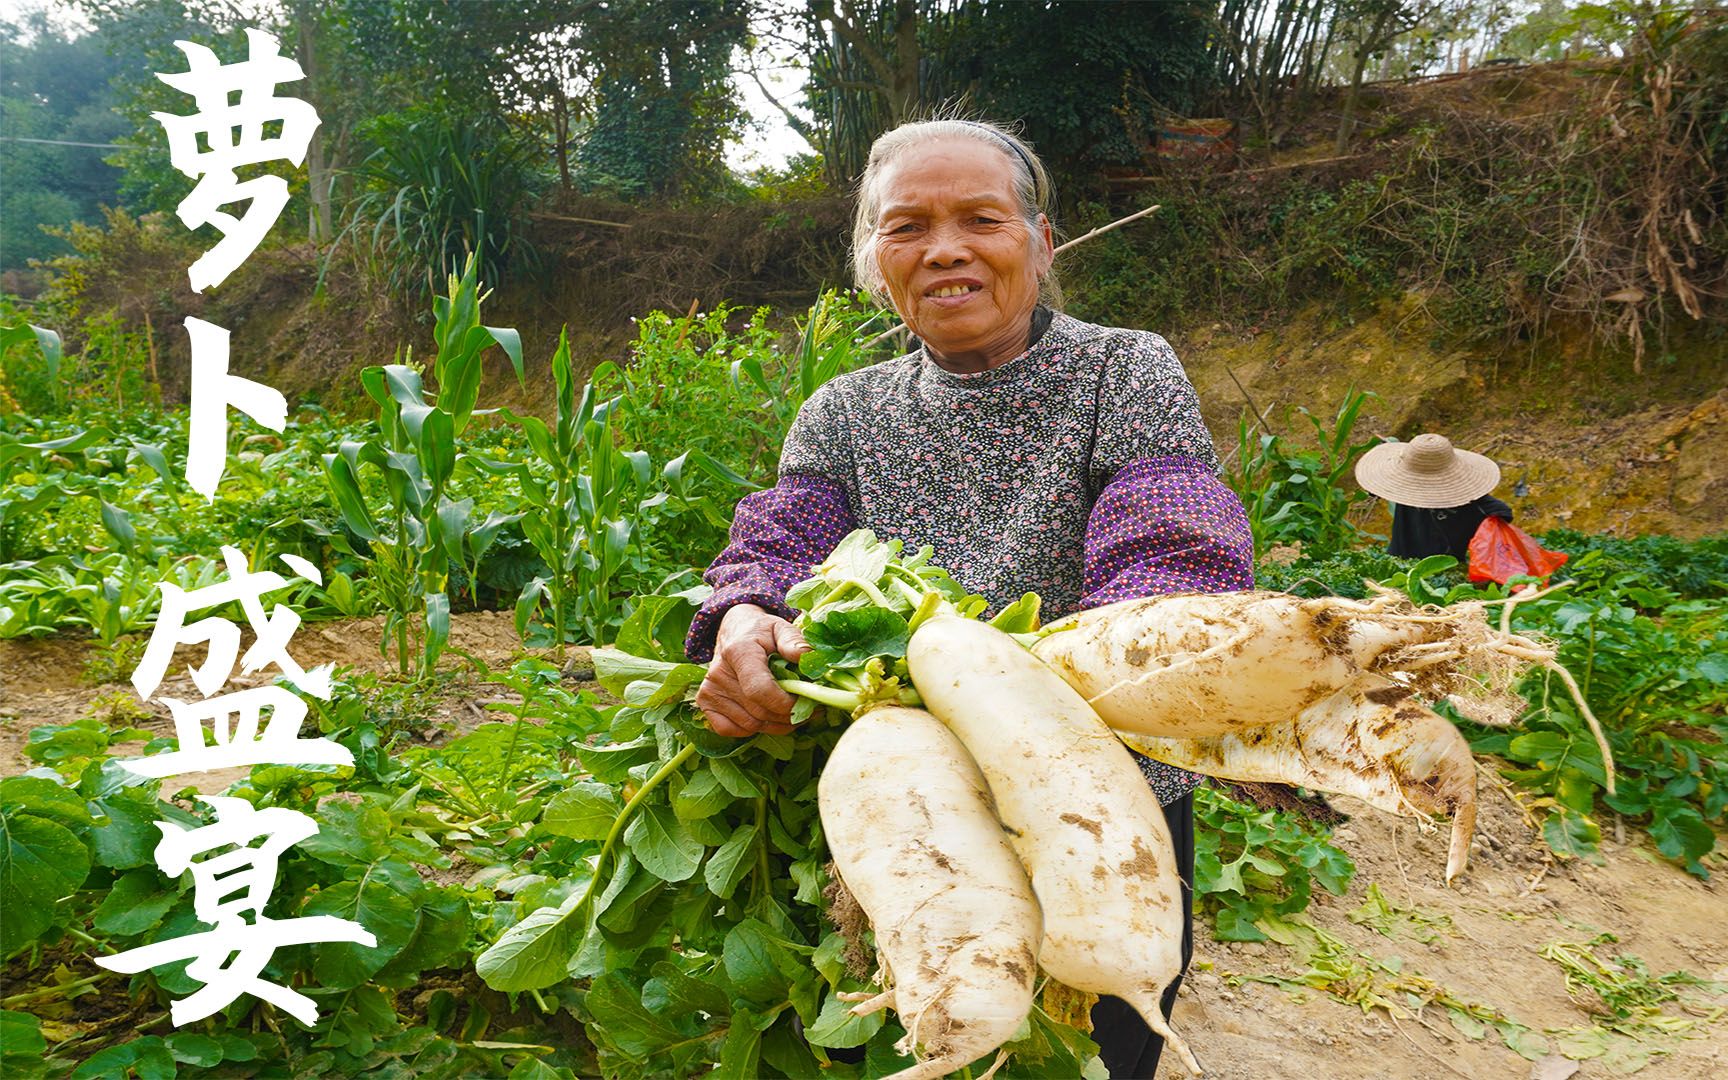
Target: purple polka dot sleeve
{"type": "Point", "coordinates": [777, 536]}
{"type": "Point", "coordinates": [1166, 525]}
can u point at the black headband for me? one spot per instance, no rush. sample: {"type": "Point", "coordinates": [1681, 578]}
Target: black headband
{"type": "Point", "coordinates": [1012, 145]}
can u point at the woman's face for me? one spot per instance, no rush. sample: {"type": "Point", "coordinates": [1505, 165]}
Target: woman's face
{"type": "Point", "coordinates": [960, 264]}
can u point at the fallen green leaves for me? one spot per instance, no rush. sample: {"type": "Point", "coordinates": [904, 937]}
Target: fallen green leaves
{"type": "Point", "coordinates": [1334, 967]}
{"type": "Point", "coordinates": [1389, 918]}
{"type": "Point", "coordinates": [1631, 1001]}
{"type": "Point", "coordinates": [1635, 1017]}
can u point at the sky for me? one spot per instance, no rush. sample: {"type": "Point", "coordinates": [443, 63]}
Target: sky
{"type": "Point", "coordinates": [770, 141]}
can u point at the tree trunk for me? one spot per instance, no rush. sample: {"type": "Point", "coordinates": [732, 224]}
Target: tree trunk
{"type": "Point", "coordinates": [1316, 69]}
{"type": "Point", "coordinates": [561, 130]}
{"type": "Point", "coordinates": [317, 161]}
{"type": "Point", "coordinates": [1348, 121]}
{"type": "Point", "coordinates": [905, 93]}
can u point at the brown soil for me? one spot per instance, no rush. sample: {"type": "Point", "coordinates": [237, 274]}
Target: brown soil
{"type": "Point", "coordinates": [44, 682]}
{"type": "Point", "coordinates": [1513, 901]}
{"type": "Point", "coordinates": [1595, 447]}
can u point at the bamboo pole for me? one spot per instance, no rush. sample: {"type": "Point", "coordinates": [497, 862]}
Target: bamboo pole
{"type": "Point", "coordinates": [580, 220]}
{"type": "Point", "coordinates": [1102, 229]}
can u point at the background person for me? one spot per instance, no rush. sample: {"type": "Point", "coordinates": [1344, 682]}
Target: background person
{"type": "Point", "coordinates": [1439, 494]}
{"type": "Point", "coordinates": [1033, 451]}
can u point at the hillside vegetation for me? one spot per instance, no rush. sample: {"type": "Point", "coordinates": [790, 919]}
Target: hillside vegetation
{"type": "Point", "coordinates": [1525, 257]}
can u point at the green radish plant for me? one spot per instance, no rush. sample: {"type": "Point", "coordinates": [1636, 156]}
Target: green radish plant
{"type": "Point", "coordinates": [76, 466]}
{"type": "Point", "coordinates": [687, 900]}
{"type": "Point", "coordinates": [76, 843]}
{"type": "Point", "coordinates": [589, 505]}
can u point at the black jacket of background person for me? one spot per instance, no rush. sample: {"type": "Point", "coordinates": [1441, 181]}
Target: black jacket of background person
{"type": "Point", "coordinates": [1417, 533]}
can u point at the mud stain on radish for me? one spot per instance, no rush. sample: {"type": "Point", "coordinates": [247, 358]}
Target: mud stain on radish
{"type": "Point", "coordinates": [1143, 864]}
{"type": "Point", "coordinates": [937, 856]}
{"type": "Point", "coordinates": [1086, 823]}
{"type": "Point", "coordinates": [1387, 695]}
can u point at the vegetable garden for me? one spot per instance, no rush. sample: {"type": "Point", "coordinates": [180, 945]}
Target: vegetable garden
{"type": "Point", "coordinates": [566, 873]}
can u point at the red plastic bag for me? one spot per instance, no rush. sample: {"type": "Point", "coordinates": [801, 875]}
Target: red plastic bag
{"type": "Point", "coordinates": [1501, 551]}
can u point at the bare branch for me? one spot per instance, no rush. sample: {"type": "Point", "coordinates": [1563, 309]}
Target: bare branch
{"type": "Point", "coordinates": [796, 122]}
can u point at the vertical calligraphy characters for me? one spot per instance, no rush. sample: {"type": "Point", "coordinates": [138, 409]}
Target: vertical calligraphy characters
{"type": "Point", "coordinates": [232, 882]}
{"type": "Point", "coordinates": [234, 132]}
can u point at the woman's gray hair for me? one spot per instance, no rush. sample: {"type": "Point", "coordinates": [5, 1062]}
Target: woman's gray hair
{"type": "Point", "coordinates": [1031, 188]}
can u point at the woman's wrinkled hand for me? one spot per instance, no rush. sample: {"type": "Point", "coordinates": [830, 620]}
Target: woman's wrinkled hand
{"type": "Point", "coordinates": [739, 696]}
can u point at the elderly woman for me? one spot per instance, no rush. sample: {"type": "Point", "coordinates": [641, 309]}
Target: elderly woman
{"type": "Point", "coordinates": [1033, 451]}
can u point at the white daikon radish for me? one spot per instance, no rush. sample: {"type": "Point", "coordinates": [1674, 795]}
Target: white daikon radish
{"type": "Point", "coordinates": [1079, 814]}
{"type": "Point", "coordinates": [1210, 663]}
{"type": "Point", "coordinates": [911, 829]}
{"type": "Point", "coordinates": [1372, 740]}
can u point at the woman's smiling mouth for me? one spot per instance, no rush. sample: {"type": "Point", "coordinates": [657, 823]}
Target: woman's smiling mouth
{"type": "Point", "coordinates": [953, 293]}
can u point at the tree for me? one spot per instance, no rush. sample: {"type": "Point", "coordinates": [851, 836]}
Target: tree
{"type": "Point", "coordinates": [1124, 66]}
{"type": "Point", "coordinates": [1369, 28]}
{"type": "Point", "coordinates": [1542, 33]}
{"type": "Point", "coordinates": [53, 88]}
{"type": "Point", "coordinates": [1265, 49]}
{"type": "Point", "coordinates": [528, 63]}
{"type": "Point", "coordinates": [877, 63]}
{"type": "Point", "coordinates": [883, 37]}
{"type": "Point", "coordinates": [139, 39]}
{"type": "Point", "coordinates": [664, 105]}
{"type": "Point", "coordinates": [865, 59]}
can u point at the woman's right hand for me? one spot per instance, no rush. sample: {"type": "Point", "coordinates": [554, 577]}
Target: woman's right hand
{"type": "Point", "coordinates": [739, 696]}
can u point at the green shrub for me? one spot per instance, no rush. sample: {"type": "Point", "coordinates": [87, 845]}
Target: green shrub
{"type": "Point", "coordinates": [440, 186]}
{"type": "Point", "coordinates": [1301, 497]}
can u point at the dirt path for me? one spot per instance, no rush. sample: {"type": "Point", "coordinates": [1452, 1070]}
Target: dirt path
{"type": "Point", "coordinates": [1489, 929]}
{"type": "Point", "coordinates": [46, 682]}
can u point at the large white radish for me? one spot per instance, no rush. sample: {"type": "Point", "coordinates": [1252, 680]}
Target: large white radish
{"type": "Point", "coordinates": [1079, 814]}
{"type": "Point", "coordinates": [1371, 740]}
{"type": "Point", "coordinates": [909, 824]}
{"type": "Point", "coordinates": [1209, 663]}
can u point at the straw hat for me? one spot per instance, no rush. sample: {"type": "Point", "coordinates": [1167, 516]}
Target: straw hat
{"type": "Point", "coordinates": [1426, 472]}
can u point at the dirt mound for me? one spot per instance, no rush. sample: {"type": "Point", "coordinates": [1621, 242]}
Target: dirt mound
{"type": "Point", "coordinates": [1581, 440]}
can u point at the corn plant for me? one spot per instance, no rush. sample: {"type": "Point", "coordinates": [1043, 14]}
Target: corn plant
{"type": "Point", "coordinates": [549, 496]}
{"type": "Point", "coordinates": [48, 346]}
{"type": "Point", "coordinates": [420, 531]}
{"type": "Point", "coordinates": [1303, 497]}
{"type": "Point", "coordinates": [588, 505]}
{"type": "Point", "coordinates": [827, 346]}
